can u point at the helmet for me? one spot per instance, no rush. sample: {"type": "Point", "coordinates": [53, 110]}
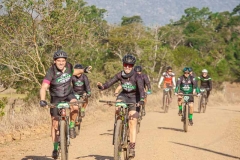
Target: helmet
{"type": "Point", "coordinates": [168, 68]}
{"type": "Point", "coordinates": [204, 71]}
{"type": "Point", "coordinates": [129, 59]}
{"type": "Point", "coordinates": [190, 69]}
{"type": "Point", "coordinates": [59, 54]}
{"type": "Point", "coordinates": [138, 68]}
{"type": "Point", "coordinates": [187, 69]}
{"type": "Point", "coordinates": [78, 66]}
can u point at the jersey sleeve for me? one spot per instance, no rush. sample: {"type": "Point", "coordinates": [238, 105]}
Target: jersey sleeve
{"type": "Point", "coordinates": [146, 79]}
{"type": "Point", "coordinates": [87, 84]}
{"type": "Point", "coordinates": [110, 82]}
{"type": "Point", "coordinates": [140, 87]}
{"type": "Point", "coordinates": [49, 76]}
{"type": "Point", "coordinates": [178, 85]}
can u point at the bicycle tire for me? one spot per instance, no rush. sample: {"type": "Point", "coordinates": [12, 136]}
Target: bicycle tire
{"type": "Point", "coordinates": [78, 123]}
{"type": "Point", "coordinates": [126, 149]}
{"type": "Point", "coordinates": [164, 103]}
{"type": "Point", "coordinates": [118, 140]}
{"type": "Point", "coordinates": [63, 140]}
{"type": "Point", "coordinates": [167, 103]}
{"type": "Point", "coordinates": [185, 122]}
{"type": "Point", "coordinates": [200, 104]}
{"type": "Point", "coordinates": [204, 104]}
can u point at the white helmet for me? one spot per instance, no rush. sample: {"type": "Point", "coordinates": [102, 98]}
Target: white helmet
{"type": "Point", "coordinates": [204, 71]}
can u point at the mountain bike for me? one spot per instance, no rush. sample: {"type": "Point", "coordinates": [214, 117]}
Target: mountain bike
{"type": "Point", "coordinates": [186, 108]}
{"type": "Point", "coordinates": [63, 127]}
{"type": "Point", "coordinates": [79, 118]}
{"type": "Point", "coordinates": [121, 130]}
{"type": "Point", "coordinates": [166, 99]}
{"type": "Point", "coordinates": [202, 103]}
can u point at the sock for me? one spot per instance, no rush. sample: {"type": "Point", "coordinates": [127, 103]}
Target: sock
{"type": "Point", "coordinates": [83, 109]}
{"type": "Point", "coordinates": [72, 124]}
{"type": "Point", "coordinates": [55, 145]}
{"type": "Point", "coordinates": [180, 107]}
{"type": "Point", "coordinates": [190, 116]}
{"type": "Point", "coordinates": [132, 145]}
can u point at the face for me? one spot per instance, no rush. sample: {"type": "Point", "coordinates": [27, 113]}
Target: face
{"type": "Point", "coordinates": [186, 74]}
{"type": "Point", "coordinates": [60, 63]}
{"type": "Point", "coordinates": [204, 74]}
{"type": "Point", "coordinates": [127, 67]}
{"type": "Point", "coordinates": [139, 72]}
{"type": "Point", "coordinates": [169, 71]}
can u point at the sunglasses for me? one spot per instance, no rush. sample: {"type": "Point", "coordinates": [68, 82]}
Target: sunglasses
{"type": "Point", "coordinates": [170, 71]}
{"type": "Point", "coordinates": [127, 65]}
{"type": "Point", "coordinates": [186, 73]}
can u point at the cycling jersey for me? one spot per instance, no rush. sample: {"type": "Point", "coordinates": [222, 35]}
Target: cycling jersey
{"type": "Point", "coordinates": [145, 81]}
{"type": "Point", "coordinates": [169, 79]}
{"type": "Point", "coordinates": [131, 86]}
{"type": "Point", "coordinates": [186, 85]}
{"type": "Point", "coordinates": [60, 82]}
{"type": "Point", "coordinates": [206, 82]}
{"type": "Point", "coordinates": [81, 84]}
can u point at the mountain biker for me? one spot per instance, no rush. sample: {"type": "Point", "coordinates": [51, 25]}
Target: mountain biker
{"type": "Point", "coordinates": [58, 80]}
{"type": "Point", "coordinates": [205, 82]}
{"type": "Point", "coordinates": [147, 85]}
{"type": "Point", "coordinates": [186, 84]}
{"type": "Point", "coordinates": [81, 86]}
{"type": "Point", "coordinates": [133, 92]}
{"type": "Point", "coordinates": [169, 80]}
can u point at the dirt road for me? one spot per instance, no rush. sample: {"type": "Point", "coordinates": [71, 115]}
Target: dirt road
{"type": "Point", "coordinates": [215, 135]}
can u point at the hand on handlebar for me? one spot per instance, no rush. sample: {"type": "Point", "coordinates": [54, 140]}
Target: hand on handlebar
{"type": "Point", "coordinates": [43, 103]}
{"type": "Point", "coordinates": [100, 86]}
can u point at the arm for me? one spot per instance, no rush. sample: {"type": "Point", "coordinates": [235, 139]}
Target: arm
{"type": "Point", "coordinates": [147, 82]}
{"type": "Point", "coordinates": [174, 82]}
{"type": "Point", "coordinates": [107, 84]}
{"type": "Point", "coordinates": [160, 81]}
{"type": "Point", "coordinates": [87, 84]}
{"type": "Point", "coordinates": [80, 71]}
{"type": "Point", "coordinates": [195, 86]}
{"type": "Point", "coordinates": [118, 89]}
{"type": "Point", "coordinates": [140, 88]}
{"type": "Point", "coordinates": [210, 83]}
{"type": "Point", "coordinates": [178, 85]}
{"type": "Point", "coordinates": [43, 91]}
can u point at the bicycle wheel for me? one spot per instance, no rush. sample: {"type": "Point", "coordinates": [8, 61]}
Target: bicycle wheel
{"type": "Point", "coordinates": [118, 140]}
{"type": "Point", "coordinates": [185, 122]}
{"type": "Point", "coordinates": [200, 104]}
{"type": "Point", "coordinates": [63, 140]}
{"type": "Point", "coordinates": [165, 103]}
{"type": "Point", "coordinates": [126, 148]}
{"type": "Point", "coordinates": [204, 104]}
{"type": "Point", "coordinates": [78, 123]}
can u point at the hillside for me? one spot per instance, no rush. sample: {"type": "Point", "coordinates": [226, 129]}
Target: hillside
{"type": "Point", "coordinates": [157, 11]}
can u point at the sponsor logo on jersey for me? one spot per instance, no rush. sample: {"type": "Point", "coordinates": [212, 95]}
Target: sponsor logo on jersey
{"type": "Point", "coordinates": [78, 83]}
{"type": "Point", "coordinates": [64, 78]}
{"type": "Point", "coordinates": [128, 86]}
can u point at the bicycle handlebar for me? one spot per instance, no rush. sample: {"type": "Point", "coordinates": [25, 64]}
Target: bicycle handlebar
{"type": "Point", "coordinates": [108, 102]}
{"type": "Point", "coordinates": [53, 105]}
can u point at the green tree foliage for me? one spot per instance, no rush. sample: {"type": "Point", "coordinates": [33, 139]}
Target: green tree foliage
{"type": "Point", "coordinates": [130, 20]}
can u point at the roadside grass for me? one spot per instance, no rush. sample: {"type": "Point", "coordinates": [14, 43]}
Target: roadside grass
{"type": "Point", "coordinates": [13, 95]}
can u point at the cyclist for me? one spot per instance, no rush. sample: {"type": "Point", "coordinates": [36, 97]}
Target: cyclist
{"type": "Point", "coordinates": [133, 92]}
{"type": "Point", "coordinates": [81, 86]}
{"type": "Point", "coordinates": [205, 82]}
{"type": "Point", "coordinates": [58, 81]}
{"type": "Point", "coordinates": [186, 84]}
{"type": "Point", "coordinates": [147, 85]}
{"type": "Point", "coordinates": [169, 80]}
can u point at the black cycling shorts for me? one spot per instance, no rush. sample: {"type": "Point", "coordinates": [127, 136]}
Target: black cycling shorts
{"type": "Point", "coordinates": [124, 98]}
{"type": "Point", "coordinates": [54, 111]}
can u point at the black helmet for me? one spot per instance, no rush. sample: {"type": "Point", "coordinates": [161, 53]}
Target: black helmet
{"type": "Point", "coordinates": [78, 66]}
{"type": "Point", "coordinates": [129, 59]}
{"type": "Point", "coordinates": [59, 54]}
{"type": "Point", "coordinates": [138, 68]}
{"type": "Point", "coordinates": [186, 69]}
{"type": "Point", "coordinates": [169, 68]}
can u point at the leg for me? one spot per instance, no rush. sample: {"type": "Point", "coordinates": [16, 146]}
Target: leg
{"type": "Point", "coordinates": [73, 116]}
{"type": "Point", "coordinates": [84, 106]}
{"type": "Point", "coordinates": [180, 105]}
{"type": "Point", "coordinates": [54, 131]}
{"type": "Point", "coordinates": [190, 116]}
{"type": "Point", "coordinates": [133, 116]}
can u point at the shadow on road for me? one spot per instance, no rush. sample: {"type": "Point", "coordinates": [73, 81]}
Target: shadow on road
{"type": "Point", "coordinates": [208, 150]}
{"type": "Point", "coordinates": [37, 158]}
{"type": "Point", "coordinates": [97, 157]}
{"type": "Point", "coordinates": [108, 134]}
{"type": "Point", "coordinates": [227, 109]}
{"type": "Point", "coordinates": [174, 129]}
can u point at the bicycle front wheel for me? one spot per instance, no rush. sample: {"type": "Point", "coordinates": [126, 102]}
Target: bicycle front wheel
{"type": "Point", "coordinates": [78, 123]}
{"type": "Point", "coordinates": [185, 122]}
{"type": "Point", "coordinates": [204, 102]}
{"type": "Point", "coordinates": [118, 140]}
{"type": "Point", "coordinates": [63, 140]}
